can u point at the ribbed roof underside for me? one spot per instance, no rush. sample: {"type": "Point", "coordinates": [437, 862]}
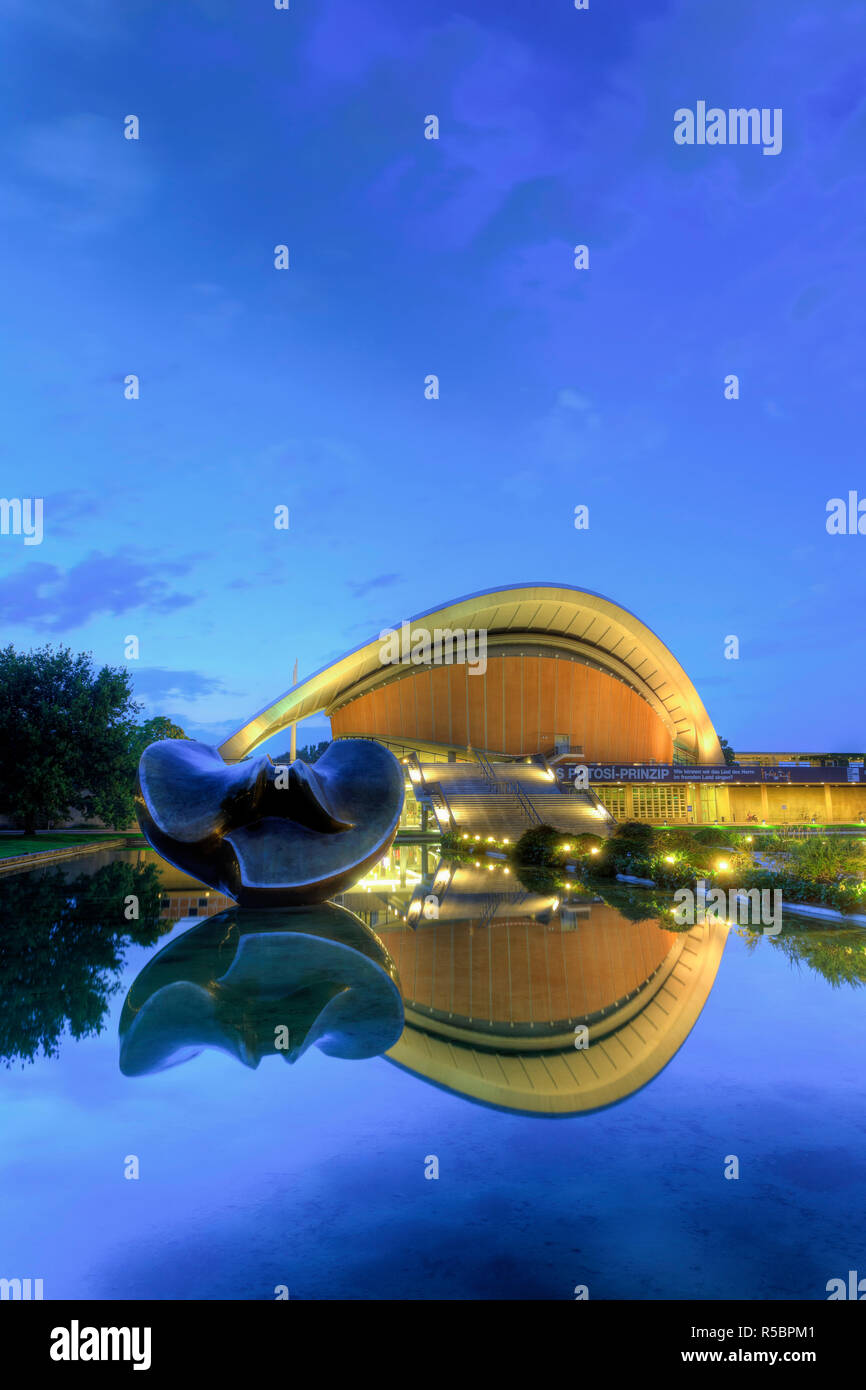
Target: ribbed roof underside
{"type": "Point", "coordinates": [575, 619]}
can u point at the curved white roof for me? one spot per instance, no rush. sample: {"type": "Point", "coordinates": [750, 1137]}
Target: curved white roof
{"type": "Point", "coordinates": [556, 615]}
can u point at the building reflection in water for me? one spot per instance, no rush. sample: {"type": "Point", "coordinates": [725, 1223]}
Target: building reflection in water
{"type": "Point", "coordinates": [499, 989]}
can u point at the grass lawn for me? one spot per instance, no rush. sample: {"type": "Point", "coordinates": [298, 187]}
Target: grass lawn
{"type": "Point", "coordinates": [29, 844]}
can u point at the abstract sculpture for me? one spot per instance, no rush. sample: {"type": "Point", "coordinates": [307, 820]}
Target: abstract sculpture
{"type": "Point", "coordinates": [263, 982]}
{"type": "Point", "coordinates": [270, 835]}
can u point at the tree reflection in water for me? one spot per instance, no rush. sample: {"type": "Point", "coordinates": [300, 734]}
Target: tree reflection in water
{"type": "Point", "coordinates": [62, 946]}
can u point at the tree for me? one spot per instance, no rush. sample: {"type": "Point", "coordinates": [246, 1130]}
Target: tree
{"type": "Point", "coordinates": [152, 731]}
{"type": "Point", "coordinates": [66, 738]}
{"type": "Point", "coordinates": [308, 754]}
{"type": "Point", "coordinates": [730, 755]}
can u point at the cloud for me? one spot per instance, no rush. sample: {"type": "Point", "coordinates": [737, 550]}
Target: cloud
{"type": "Point", "coordinates": [87, 21]}
{"type": "Point", "coordinates": [68, 506]}
{"type": "Point", "coordinates": [159, 682]}
{"type": "Point", "coordinates": [79, 172]}
{"type": "Point", "coordinates": [213, 733]}
{"type": "Point", "coordinates": [49, 599]}
{"type": "Point", "coordinates": [381, 581]}
{"type": "Point", "coordinates": [573, 400]}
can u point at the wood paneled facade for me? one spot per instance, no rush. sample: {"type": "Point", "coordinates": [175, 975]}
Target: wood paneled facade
{"type": "Point", "coordinates": [515, 707]}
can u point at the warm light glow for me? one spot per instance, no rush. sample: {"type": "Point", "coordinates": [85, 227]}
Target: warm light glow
{"type": "Point", "coordinates": [670, 859]}
{"type": "Point", "coordinates": [722, 864]}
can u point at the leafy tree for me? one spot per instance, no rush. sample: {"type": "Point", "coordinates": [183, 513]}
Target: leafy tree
{"type": "Point", "coordinates": [308, 754]}
{"type": "Point", "coordinates": [68, 738]}
{"type": "Point", "coordinates": [65, 737]}
{"type": "Point", "coordinates": [152, 731]}
{"type": "Point", "coordinates": [730, 755]}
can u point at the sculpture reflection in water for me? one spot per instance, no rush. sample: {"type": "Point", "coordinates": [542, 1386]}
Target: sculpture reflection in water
{"type": "Point", "coordinates": [261, 982]}
{"type": "Point", "coordinates": [553, 1006]}
{"type": "Point", "coordinates": [265, 834]}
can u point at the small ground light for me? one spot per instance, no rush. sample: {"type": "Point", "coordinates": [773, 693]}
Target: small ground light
{"type": "Point", "coordinates": [670, 859]}
{"type": "Point", "coordinates": [593, 850]}
{"type": "Point", "coordinates": [722, 864]}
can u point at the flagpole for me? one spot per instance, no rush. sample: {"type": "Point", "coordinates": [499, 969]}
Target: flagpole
{"type": "Point", "coordinates": [294, 748]}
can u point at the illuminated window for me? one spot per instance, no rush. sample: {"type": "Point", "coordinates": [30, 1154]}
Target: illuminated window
{"type": "Point", "coordinates": [660, 803]}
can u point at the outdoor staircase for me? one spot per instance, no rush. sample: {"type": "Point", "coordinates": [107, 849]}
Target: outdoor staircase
{"type": "Point", "coordinates": [505, 799]}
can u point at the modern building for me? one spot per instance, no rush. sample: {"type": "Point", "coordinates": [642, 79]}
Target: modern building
{"type": "Point", "coordinates": [556, 678]}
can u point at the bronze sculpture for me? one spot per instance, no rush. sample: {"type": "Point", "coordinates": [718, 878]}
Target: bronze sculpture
{"type": "Point", "coordinates": [270, 835]}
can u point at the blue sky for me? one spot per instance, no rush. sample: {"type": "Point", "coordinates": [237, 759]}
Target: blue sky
{"type": "Point", "coordinates": [408, 257]}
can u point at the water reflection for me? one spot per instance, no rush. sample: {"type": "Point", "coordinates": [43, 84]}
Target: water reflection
{"type": "Point", "coordinates": [63, 937]}
{"type": "Point", "coordinates": [491, 992]}
{"type": "Point", "coordinates": [543, 1003]}
{"type": "Point", "coordinates": [259, 982]}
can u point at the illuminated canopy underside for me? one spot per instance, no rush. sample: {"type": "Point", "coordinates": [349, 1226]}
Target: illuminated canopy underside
{"type": "Point", "coordinates": [566, 620]}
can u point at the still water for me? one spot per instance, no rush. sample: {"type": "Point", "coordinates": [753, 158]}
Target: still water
{"type": "Point", "coordinates": [286, 1085]}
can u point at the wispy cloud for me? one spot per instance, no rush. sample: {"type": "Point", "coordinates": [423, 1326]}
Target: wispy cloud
{"type": "Point", "coordinates": [49, 599]}
{"type": "Point", "coordinates": [79, 172]}
{"type": "Point", "coordinates": [364, 586]}
{"type": "Point", "coordinates": [159, 682]}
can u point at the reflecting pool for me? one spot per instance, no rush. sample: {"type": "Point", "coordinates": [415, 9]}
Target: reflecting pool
{"type": "Point", "coordinates": [508, 1096]}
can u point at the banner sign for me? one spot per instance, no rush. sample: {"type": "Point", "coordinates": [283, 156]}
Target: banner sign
{"type": "Point", "coordinates": [712, 772]}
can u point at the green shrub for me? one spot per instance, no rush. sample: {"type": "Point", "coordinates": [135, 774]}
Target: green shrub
{"type": "Point", "coordinates": [543, 844]}
{"type": "Point", "coordinates": [714, 835]}
{"type": "Point", "coordinates": [675, 841]}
